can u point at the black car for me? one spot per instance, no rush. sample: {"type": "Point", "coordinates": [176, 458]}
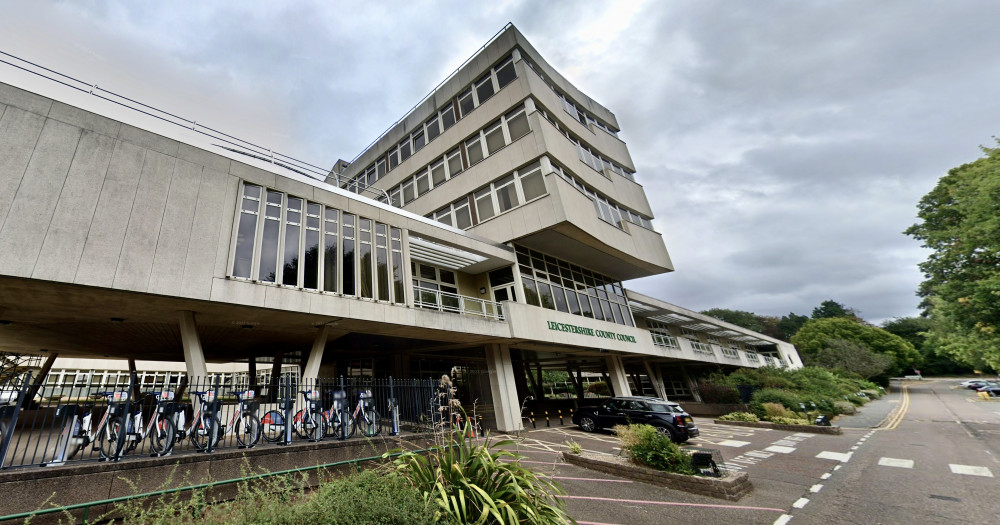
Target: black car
{"type": "Point", "coordinates": [669, 418]}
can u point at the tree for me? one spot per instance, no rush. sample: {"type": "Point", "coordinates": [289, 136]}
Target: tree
{"type": "Point", "coordinates": [830, 308]}
{"type": "Point", "coordinates": [960, 224]}
{"type": "Point", "coordinates": [816, 335]}
{"type": "Point", "coordinates": [850, 356]}
{"type": "Point", "coordinates": [748, 320]}
{"type": "Point", "coordinates": [790, 324]}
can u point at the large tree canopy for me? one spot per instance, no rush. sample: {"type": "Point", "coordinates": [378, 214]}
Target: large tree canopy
{"type": "Point", "coordinates": [960, 223]}
{"type": "Point", "coordinates": [817, 335]}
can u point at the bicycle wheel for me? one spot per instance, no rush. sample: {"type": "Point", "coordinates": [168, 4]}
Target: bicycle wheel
{"type": "Point", "coordinates": [318, 425]}
{"type": "Point", "coordinates": [162, 436]}
{"type": "Point", "coordinates": [273, 426]}
{"type": "Point", "coordinates": [107, 439]}
{"type": "Point", "coordinates": [202, 434]}
{"type": "Point", "coordinates": [302, 425]}
{"type": "Point", "coordinates": [369, 422]}
{"type": "Point", "coordinates": [333, 425]}
{"type": "Point", "coordinates": [247, 430]}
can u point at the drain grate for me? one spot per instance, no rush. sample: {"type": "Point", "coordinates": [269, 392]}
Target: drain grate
{"type": "Point", "coordinates": [946, 498]}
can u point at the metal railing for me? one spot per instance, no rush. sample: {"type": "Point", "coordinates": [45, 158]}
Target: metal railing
{"type": "Point", "coordinates": [456, 304]}
{"type": "Point", "coordinates": [73, 423]}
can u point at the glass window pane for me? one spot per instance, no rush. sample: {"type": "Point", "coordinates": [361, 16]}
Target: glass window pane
{"type": "Point", "coordinates": [454, 163]}
{"type": "Point", "coordinates": [475, 150]}
{"type": "Point", "coordinates": [506, 73]}
{"type": "Point", "coordinates": [269, 251]}
{"type": "Point", "coordinates": [290, 269]}
{"type": "Point", "coordinates": [585, 306]}
{"type": "Point", "coordinates": [347, 254]}
{"type": "Point", "coordinates": [448, 117]}
{"type": "Point", "coordinates": [437, 173]}
{"type": "Point", "coordinates": [463, 217]}
{"type": "Point", "coordinates": [310, 278]}
{"type": "Point", "coordinates": [447, 276]}
{"type": "Point", "coordinates": [545, 295]}
{"type": "Point", "coordinates": [423, 183]}
{"type": "Point", "coordinates": [465, 103]}
{"type": "Point", "coordinates": [408, 194]}
{"type": "Point", "coordinates": [517, 125]}
{"type": "Point", "coordinates": [571, 300]}
{"type": "Point", "coordinates": [560, 298]}
{"type": "Point", "coordinates": [484, 204]}
{"type": "Point", "coordinates": [494, 139]}
{"type": "Point", "coordinates": [530, 293]}
{"type": "Point", "coordinates": [533, 185]}
{"type": "Point", "coordinates": [484, 88]}
{"type": "Point", "coordinates": [433, 129]}
{"type": "Point", "coordinates": [245, 235]}
{"type": "Point", "coordinates": [404, 151]}
{"type": "Point", "coordinates": [418, 141]}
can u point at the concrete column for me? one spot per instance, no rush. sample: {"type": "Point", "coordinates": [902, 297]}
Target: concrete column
{"type": "Point", "coordinates": [505, 404]}
{"type": "Point", "coordinates": [194, 356]}
{"type": "Point", "coordinates": [311, 371]}
{"type": "Point", "coordinates": [653, 371]}
{"type": "Point", "coordinates": [616, 374]}
{"type": "Point", "coordinates": [692, 384]}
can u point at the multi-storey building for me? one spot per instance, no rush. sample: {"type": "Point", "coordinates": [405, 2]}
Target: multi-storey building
{"type": "Point", "coordinates": [489, 231]}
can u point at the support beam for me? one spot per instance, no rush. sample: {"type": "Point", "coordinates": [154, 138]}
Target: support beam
{"type": "Point", "coordinates": [194, 356]}
{"type": "Point", "coordinates": [29, 396]}
{"type": "Point", "coordinates": [616, 374]}
{"type": "Point", "coordinates": [692, 384]}
{"type": "Point", "coordinates": [272, 389]}
{"type": "Point", "coordinates": [311, 371]}
{"type": "Point", "coordinates": [505, 404]}
{"type": "Point", "coordinates": [134, 373]}
{"type": "Point", "coordinates": [655, 377]}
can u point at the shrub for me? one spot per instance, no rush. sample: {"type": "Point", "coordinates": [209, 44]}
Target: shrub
{"type": "Point", "coordinates": [872, 393]}
{"type": "Point", "coordinates": [843, 407]}
{"type": "Point", "coordinates": [790, 421]}
{"type": "Point", "coordinates": [774, 410]}
{"type": "Point", "coordinates": [740, 416]}
{"type": "Point", "coordinates": [483, 483]}
{"type": "Point", "coordinates": [574, 447]}
{"type": "Point", "coordinates": [646, 445]}
{"type": "Point", "coordinates": [715, 393]}
{"type": "Point", "coordinates": [599, 388]}
{"type": "Point", "coordinates": [784, 398]}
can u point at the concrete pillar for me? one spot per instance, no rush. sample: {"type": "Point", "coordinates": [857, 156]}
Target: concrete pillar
{"type": "Point", "coordinates": [616, 374]}
{"type": "Point", "coordinates": [194, 356]}
{"type": "Point", "coordinates": [311, 372]}
{"type": "Point", "coordinates": [506, 407]}
{"type": "Point", "coordinates": [653, 371]}
{"type": "Point", "coordinates": [692, 384]}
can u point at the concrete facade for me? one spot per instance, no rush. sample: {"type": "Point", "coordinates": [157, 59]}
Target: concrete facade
{"type": "Point", "coordinates": [120, 242]}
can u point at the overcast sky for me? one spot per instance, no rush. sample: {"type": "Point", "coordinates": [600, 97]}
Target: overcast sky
{"type": "Point", "coordinates": [783, 145]}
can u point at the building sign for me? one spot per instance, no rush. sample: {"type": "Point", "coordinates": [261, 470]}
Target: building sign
{"type": "Point", "coordinates": [583, 330]}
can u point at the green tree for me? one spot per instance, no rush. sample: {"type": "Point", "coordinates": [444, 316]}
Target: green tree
{"type": "Point", "coordinates": [960, 224]}
{"type": "Point", "coordinates": [830, 308]}
{"type": "Point", "coordinates": [748, 320]}
{"type": "Point", "coordinates": [850, 356]}
{"type": "Point", "coordinates": [816, 335]}
{"type": "Point", "coordinates": [790, 324]}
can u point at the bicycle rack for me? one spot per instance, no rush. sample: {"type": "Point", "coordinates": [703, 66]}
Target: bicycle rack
{"type": "Point", "coordinates": [211, 409]}
{"type": "Point", "coordinates": [393, 410]}
{"type": "Point", "coordinates": [68, 415]}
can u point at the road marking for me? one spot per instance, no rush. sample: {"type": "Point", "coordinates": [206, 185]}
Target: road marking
{"type": "Point", "coordinates": [895, 418]}
{"type": "Point", "coordinates": [803, 435]}
{"type": "Point", "coordinates": [970, 470]}
{"type": "Point", "coordinates": [837, 467]}
{"type": "Point", "coordinates": [855, 447]}
{"type": "Point", "coordinates": [785, 443]}
{"type": "Point", "coordinates": [733, 443]}
{"type": "Point", "coordinates": [816, 488]}
{"type": "Point", "coordinates": [780, 449]}
{"type": "Point", "coordinates": [783, 519]}
{"type": "Point", "coordinates": [827, 475]}
{"type": "Point", "coordinates": [672, 503]}
{"type": "Point", "coordinates": [841, 457]}
{"type": "Point", "coordinates": [893, 462]}
{"type": "Point", "coordinates": [759, 454]}
{"type": "Point", "coordinates": [801, 502]}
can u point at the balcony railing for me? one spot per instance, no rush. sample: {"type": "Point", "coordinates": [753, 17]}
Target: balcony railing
{"type": "Point", "coordinates": [456, 304]}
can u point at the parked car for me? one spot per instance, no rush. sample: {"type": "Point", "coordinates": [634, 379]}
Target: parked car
{"type": "Point", "coordinates": [669, 418]}
{"type": "Point", "coordinates": [974, 384]}
{"type": "Point", "coordinates": [991, 389]}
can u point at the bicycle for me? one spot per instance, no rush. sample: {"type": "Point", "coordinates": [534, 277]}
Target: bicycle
{"type": "Point", "coordinates": [83, 434]}
{"type": "Point", "coordinates": [161, 430]}
{"type": "Point", "coordinates": [365, 417]}
{"type": "Point", "coordinates": [200, 432]}
{"type": "Point", "coordinates": [310, 422]}
{"type": "Point", "coordinates": [333, 415]}
{"type": "Point", "coordinates": [244, 423]}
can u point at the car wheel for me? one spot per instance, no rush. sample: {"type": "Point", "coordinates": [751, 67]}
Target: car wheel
{"type": "Point", "coordinates": [669, 432]}
{"type": "Point", "coordinates": [587, 424]}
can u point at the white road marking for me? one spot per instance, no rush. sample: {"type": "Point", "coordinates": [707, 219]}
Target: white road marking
{"type": "Point", "coordinates": [785, 443]}
{"type": "Point", "coordinates": [758, 454]}
{"type": "Point", "coordinates": [855, 447]}
{"type": "Point", "coordinates": [782, 450]}
{"type": "Point", "coordinates": [827, 475]}
{"type": "Point", "coordinates": [801, 502]}
{"type": "Point", "coordinates": [733, 443]}
{"type": "Point", "coordinates": [893, 462]}
{"type": "Point", "coordinates": [837, 467]}
{"type": "Point", "coordinates": [839, 456]}
{"type": "Point", "coordinates": [805, 435]}
{"type": "Point", "coordinates": [971, 470]}
{"type": "Point", "coordinates": [783, 519]}
{"type": "Point", "coordinates": [815, 488]}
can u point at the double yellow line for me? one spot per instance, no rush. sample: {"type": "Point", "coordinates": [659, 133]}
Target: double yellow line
{"type": "Point", "coordinates": [896, 417]}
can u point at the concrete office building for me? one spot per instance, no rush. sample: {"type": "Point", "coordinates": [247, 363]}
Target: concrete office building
{"type": "Point", "coordinates": [490, 230]}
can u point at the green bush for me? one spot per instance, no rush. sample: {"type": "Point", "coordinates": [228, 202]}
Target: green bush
{"type": "Point", "coordinates": [468, 483]}
{"type": "Point", "coordinates": [843, 407]}
{"type": "Point", "coordinates": [774, 410]}
{"type": "Point", "coordinates": [648, 446]}
{"type": "Point", "coordinates": [785, 398]}
{"type": "Point", "coordinates": [872, 393]}
{"type": "Point", "coordinates": [740, 416]}
{"type": "Point", "coordinates": [599, 388]}
{"type": "Point", "coordinates": [715, 393]}
{"type": "Point", "coordinates": [790, 421]}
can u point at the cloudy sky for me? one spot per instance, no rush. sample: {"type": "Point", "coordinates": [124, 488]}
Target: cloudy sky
{"type": "Point", "coordinates": [784, 145]}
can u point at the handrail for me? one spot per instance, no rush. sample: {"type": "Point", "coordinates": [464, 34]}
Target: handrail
{"type": "Point", "coordinates": [211, 484]}
{"type": "Point", "coordinates": [459, 307]}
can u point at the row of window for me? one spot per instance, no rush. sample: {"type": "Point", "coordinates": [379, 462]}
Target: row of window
{"type": "Point", "coordinates": [576, 111]}
{"type": "Point", "coordinates": [608, 210]}
{"type": "Point", "coordinates": [483, 143]}
{"type": "Point", "coordinates": [287, 240]}
{"type": "Point", "coordinates": [483, 88]}
{"type": "Point", "coordinates": [427, 280]}
{"type": "Point", "coordinates": [558, 285]}
{"type": "Point", "coordinates": [588, 155]}
{"type": "Point", "coordinates": [661, 335]}
{"type": "Point", "coordinates": [519, 187]}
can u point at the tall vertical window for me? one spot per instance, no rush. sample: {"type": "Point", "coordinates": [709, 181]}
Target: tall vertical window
{"type": "Point", "coordinates": [293, 222]}
{"type": "Point", "coordinates": [330, 250]}
{"type": "Point", "coordinates": [310, 271]}
{"type": "Point", "coordinates": [246, 232]}
{"type": "Point", "coordinates": [269, 237]}
{"type": "Point", "coordinates": [365, 257]}
{"type": "Point", "coordinates": [347, 254]}
{"type": "Point", "coordinates": [382, 260]}
{"type": "Point", "coordinates": [396, 244]}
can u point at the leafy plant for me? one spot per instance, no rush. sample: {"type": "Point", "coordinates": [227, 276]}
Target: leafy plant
{"type": "Point", "coordinates": [843, 407]}
{"type": "Point", "coordinates": [790, 421]}
{"type": "Point", "coordinates": [599, 388]}
{"type": "Point", "coordinates": [482, 484]}
{"type": "Point", "coordinates": [574, 447]}
{"type": "Point", "coordinates": [774, 410]}
{"type": "Point", "coordinates": [740, 416]}
{"type": "Point", "coordinates": [784, 398]}
{"type": "Point", "coordinates": [646, 445]}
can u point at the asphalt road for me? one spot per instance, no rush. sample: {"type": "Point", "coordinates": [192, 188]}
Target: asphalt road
{"type": "Point", "coordinates": [863, 476]}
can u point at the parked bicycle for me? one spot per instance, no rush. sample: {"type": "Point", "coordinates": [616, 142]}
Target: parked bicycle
{"type": "Point", "coordinates": [83, 434]}
{"type": "Point", "coordinates": [310, 422]}
{"type": "Point", "coordinates": [366, 419]}
{"type": "Point", "coordinates": [200, 432]}
{"type": "Point", "coordinates": [335, 417]}
{"type": "Point", "coordinates": [160, 430]}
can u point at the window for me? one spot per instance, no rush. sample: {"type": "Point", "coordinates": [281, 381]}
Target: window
{"type": "Point", "coordinates": [293, 222]}
{"type": "Point", "coordinates": [268, 270]}
{"type": "Point", "coordinates": [246, 232]}
{"type": "Point", "coordinates": [404, 150]}
{"type": "Point", "coordinates": [433, 127]}
{"type": "Point", "coordinates": [532, 184]}
{"type": "Point", "coordinates": [466, 103]}
{"type": "Point", "coordinates": [396, 247]}
{"type": "Point", "coordinates": [505, 72]}
{"type": "Point", "coordinates": [365, 257]}
{"type": "Point", "coordinates": [474, 149]}
{"type": "Point", "coordinates": [418, 140]}
{"type": "Point", "coordinates": [484, 203]}
{"type": "Point", "coordinates": [438, 175]}
{"type": "Point", "coordinates": [517, 123]}
{"type": "Point", "coordinates": [448, 117]}
{"type": "Point", "coordinates": [435, 287]}
{"type": "Point", "coordinates": [484, 88]}
{"type": "Point", "coordinates": [347, 253]}
{"type": "Point", "coordinates": [382, 260]}
{"type": "Point", "coordinates": [330, 250]}
{"type": "Point", "coordinates": [454, 162]}
{"type": "Point", "coordinates": [494, 138]}
{"type": "Point", "coordinates": [310, 272]}
{"type": "Point", "coordinates": [661, 335]}
{"type": "Point", "coordinates": [506, 193]}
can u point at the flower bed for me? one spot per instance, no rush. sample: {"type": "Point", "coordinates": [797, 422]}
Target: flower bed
{"type": "Point", "coordinates": [812, 429]}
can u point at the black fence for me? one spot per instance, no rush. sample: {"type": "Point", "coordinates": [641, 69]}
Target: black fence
{"type": "Point", "coordinates": [48, 425]}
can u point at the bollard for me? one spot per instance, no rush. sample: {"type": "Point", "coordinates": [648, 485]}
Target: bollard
{"type": "Point", "coordinates": [547, 422]}
{"type": "Point", "coordinates": [560, 417]}
{"type": "Point", "coordinates": [533, 420]}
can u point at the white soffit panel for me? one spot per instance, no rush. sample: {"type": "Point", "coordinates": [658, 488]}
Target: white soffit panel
{"type": "Point", "coordinates": [440, 255]}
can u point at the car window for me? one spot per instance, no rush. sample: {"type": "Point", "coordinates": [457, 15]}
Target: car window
{"type": "Point", "coordinates": [665, 409]}
{"type": "Point", "coordinates": [637, 405]}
